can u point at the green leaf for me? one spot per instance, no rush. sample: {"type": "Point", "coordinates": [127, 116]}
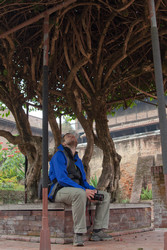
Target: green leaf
{"type": "Point", "coordinates": [94, 181]}
{"type": "Point", "coordinates": [8, 113]}
{"type": "Point", "coordinates": [5, 72]}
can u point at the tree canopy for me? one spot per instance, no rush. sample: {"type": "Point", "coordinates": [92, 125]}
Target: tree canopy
{"type": "Point", "coordinates": [100, 58]}
{"type": "Point", "coordinates": [102, 48]}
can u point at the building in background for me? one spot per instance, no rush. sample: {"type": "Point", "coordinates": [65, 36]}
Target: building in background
{"type": "Point", "coordinates": [142, 118]}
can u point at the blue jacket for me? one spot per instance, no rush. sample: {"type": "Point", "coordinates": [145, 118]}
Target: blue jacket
{"type": "Point", "coordinates": [58, 170]}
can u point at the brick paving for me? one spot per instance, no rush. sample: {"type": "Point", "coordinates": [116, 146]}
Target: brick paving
{"type": "Point", "coordinates": [151, 240]}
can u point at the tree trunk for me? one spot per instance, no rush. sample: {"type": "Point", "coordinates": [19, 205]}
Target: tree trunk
{"type": "Point", "coordinates": [87, 124]}
{"type": "Point", "coordinates": [31, 146]}
{"type": "Point", "coordinates": [109, 179]}
{"type": "Point", "coordinates": [34, 156]}
{"type": "Point", "coordinates": [88, 153]}
{"type": "Point", "coordinates": [54, 127]}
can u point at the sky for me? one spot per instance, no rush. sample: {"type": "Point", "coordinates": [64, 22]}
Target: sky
{"type": "Point", "coordinates": [37, 113]}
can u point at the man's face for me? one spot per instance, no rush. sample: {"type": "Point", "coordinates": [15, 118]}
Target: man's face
{"type": "Point", "coordinates": [70, 140]}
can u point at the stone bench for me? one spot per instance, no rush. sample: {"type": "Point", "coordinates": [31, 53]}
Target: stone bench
{"type": "Point", "coordinates": [26, 219]}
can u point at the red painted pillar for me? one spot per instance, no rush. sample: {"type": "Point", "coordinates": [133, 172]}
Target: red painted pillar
{"type": "Point", "coordinates": [165, 178]}
{"type": "Point", "coordinates": [165, 234]}
{"type": "Point", "coordinates": [45, 234]}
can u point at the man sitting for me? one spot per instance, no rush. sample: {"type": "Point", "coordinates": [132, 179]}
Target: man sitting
{"type": "Point", "coordinates": [73, 189]}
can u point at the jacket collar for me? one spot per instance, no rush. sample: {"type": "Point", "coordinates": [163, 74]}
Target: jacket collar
{"type": "Point", "coordinates": [61, 147]}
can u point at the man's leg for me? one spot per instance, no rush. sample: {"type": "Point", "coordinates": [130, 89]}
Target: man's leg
{"type": "Point", "coordinates": [102, 211]}
{"type": "Point", "coordinates": [75, 197]}
{"type": "Point", "coordinates": [101, 220]}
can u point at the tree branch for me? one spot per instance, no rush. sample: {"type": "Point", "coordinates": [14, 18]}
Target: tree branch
{"type": "Point", "coordinates": [102, 37]}
{"type": "Point", "coordinates": [11, 138]}
{"type": "Point", "coordinates": [74, 70]}
{"type": "Point", "coordinates": [141, 91]}
{"type": "Point", "coordinates": [129, 34]}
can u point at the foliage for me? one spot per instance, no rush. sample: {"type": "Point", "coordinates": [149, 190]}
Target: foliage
{"type": "Point", "coordinates": [125, 201]}
{"type": "Point", "coordinates": [7, 183]}
{"type": "Point", "coordinates": [1, 153]}
{"type": "Point", "coordinates": [69, 118]}
{"type": "Point", "coordinates": [93, 181]}
{"type": "Point", "coordinates": [11, 166]}
{"type": "Point", "coordinates": [11, 186]}
{"type": "Point", "coordinates": [2, 108]}
{"type": "Point", "coordinates": [146, 194]}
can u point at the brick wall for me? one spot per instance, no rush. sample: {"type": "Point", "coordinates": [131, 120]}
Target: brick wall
{"type": "Point", "coordinates": [131, 149]}
{"type": "Point", "coordinates": [25, 220]}
{"type": "Point", "coordinates": [160, 205]}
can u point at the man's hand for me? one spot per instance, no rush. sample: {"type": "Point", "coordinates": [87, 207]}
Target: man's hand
{"type": "Point", "coordinates": [90, 193]}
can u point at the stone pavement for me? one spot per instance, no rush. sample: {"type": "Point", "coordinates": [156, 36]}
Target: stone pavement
{"type": "Point", "coordinates": [151, 240]}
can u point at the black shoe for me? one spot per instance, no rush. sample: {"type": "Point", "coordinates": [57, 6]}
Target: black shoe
{"type": "Point", "coordinates": [100, 236]}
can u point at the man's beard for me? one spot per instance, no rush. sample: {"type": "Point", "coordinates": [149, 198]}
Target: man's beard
{"type": "Point", "coordinates": [72, 144]}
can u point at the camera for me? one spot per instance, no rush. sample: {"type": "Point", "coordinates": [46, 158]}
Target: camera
{"type": "Point", "coordinates": [98, 197]}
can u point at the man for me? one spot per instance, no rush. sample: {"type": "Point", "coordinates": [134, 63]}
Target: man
{"type": "Point", "coordinates": [74, 190]}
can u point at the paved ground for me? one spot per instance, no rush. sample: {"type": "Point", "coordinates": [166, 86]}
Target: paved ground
{"type": "Point", "coordinates": [152, 240]}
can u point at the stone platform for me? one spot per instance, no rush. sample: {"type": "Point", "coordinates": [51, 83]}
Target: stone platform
{"type": "Point", "coordinates": [26, 219]}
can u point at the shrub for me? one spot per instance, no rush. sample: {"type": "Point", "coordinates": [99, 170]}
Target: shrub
{"type": "Point", "coordinates": [146, 194]}
{"type": "Point", "coordinates": [125, 201]}
{"type": "Point", "coordinates": [94, 181]}
{"type": "Point", "coordinates": [12, 165]}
